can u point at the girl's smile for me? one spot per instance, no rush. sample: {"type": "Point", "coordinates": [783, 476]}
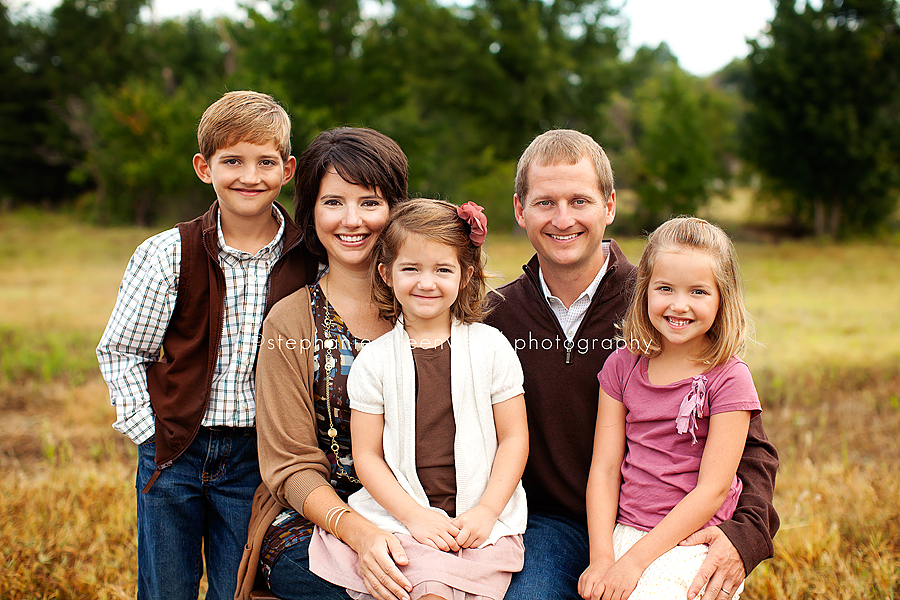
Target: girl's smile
{"type": "Point", "coordinates": [426, 278]}
{"type": "Point", "coordinates": [683, 299]}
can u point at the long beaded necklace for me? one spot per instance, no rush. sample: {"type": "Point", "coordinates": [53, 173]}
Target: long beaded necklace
{"type": "Point", "coordinates": [327, 345]}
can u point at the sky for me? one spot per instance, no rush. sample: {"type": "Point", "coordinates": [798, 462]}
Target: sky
{"type": "Point", "coordinates": [705, 35]}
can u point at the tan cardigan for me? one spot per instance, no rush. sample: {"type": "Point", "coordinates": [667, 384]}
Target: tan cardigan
{"type": "Point", "coordinates": [290, 461]}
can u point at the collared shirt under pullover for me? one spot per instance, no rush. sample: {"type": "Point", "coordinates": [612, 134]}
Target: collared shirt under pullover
{"type": "Point", "coordinates": [561, 398]}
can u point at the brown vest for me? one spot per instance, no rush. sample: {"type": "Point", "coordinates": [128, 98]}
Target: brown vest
{"type": "Point", "coordinates": [179, 383]}
{"type": "Point", "coordinates": [561, 387]}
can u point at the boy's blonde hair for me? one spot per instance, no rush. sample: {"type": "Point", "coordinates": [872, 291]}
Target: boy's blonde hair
{"type": "Point", "coordinates": [436, 221]}
{"type": "Point", "coordinates": [244, 116]}
{"type": "Point", "coordinates": [564, 147]}
{"type": "Point", "coordinates": [731, 327]}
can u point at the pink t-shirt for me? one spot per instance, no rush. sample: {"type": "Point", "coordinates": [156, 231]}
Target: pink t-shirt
{"type": "Point", "coordinates": [662, 465]}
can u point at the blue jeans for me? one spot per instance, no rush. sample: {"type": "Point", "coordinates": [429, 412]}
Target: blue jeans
{"type": "Point", "coordinates": [201, 503]}
{"type": "Point", "coordinates": [291, 578]}
{"type": "Point", "coordinates": [556, 554]}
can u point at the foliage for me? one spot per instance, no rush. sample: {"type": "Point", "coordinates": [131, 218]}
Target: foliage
{"type": "Point", "coordinates": [463, 89]}
{"type": "Point", "coordinates": [139, 142]}
{"type": "Point", "coordinates": [673, 136]}
{"type": "Point", "coordinates": [825, 112]}
{"type": "Point", "coordinates": [30, 169]}
{"type": "Point", "coordinates": [96, 91]}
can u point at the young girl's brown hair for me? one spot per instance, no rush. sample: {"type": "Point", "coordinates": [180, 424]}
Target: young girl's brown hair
{"type": "Point", "coordinates": [436, 221]}
{"type": "Point", "coordinates": [730, 329]}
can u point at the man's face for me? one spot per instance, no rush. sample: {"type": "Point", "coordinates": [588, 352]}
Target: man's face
{"type": "Point", "coordinates": [565, 216]}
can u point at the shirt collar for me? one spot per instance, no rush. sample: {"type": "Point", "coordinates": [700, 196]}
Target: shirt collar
{"type": "Point", "coordinates": [591, 288]}
{"type": "Point", "coordinates": [270, 247]}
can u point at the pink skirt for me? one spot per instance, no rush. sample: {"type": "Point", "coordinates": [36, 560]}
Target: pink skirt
{"type": "Point", "coordinates": [470, 574]}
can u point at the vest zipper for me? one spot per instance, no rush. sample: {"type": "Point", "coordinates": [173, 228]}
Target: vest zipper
{"type": "Point", "coordinates": [568, 344]}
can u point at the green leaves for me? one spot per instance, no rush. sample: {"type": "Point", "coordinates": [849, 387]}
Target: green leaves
{"type": "Point", "coordinates": [825, 111]}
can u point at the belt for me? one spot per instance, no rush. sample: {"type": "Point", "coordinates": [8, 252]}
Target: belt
{"type": "Point", "coordinates": [226, 429]}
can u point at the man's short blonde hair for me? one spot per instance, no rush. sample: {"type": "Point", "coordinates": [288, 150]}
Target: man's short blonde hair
{"type": "Point", "coordinates": [244, 116]}
{"type": "Point", "coordinates": [563, 147]}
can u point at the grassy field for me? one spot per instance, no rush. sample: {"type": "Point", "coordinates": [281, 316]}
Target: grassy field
{"type": "Point", "coordinates": [827, 364]}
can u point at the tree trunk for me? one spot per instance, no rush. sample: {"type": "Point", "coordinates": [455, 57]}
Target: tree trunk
{"type": "Point", "coordinates": [834, 222]}
{"type": "Point", "coordinates": [819, 217]}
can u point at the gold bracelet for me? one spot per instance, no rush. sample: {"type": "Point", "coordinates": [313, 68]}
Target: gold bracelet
{"type": "Point", "coordinates": [332, 517]}
{"type": "Point", "coordinates": [337, 520]}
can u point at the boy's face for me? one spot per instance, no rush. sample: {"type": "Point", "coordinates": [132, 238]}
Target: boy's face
{"type": "Point", "coordinates": [247, 177]}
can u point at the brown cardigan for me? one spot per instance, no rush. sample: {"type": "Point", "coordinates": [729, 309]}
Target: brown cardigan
{"type": "Point", "coordinates": [290, 461]}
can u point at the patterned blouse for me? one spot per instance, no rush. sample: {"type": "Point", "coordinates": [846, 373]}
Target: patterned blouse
{"type": "Point", "coordinates": [290, 527]}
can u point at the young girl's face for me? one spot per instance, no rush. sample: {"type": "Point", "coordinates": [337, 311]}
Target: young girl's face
{"type": "Point", "coordinates": [683, 299]}
{"type": "Point", "coordinates": [426, 278]}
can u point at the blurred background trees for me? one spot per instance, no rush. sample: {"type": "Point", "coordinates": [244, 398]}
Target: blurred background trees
{"type": "Point", "coordinates": [100, 102]}
{"type": "Point", "coordinates": [824, 118]}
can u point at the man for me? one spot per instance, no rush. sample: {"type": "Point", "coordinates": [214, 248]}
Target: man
{"type": "Point", "coordinates": [560, 316]}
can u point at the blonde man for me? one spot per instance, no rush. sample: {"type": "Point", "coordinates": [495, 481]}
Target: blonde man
{"type": "Point", "coordinates": [560, 316]}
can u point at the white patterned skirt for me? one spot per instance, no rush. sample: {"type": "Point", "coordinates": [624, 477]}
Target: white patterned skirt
{"type": "Point", "coordinates": [669, 576]}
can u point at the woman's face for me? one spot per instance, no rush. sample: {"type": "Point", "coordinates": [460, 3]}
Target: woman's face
{"type": "Point", "coordinates": [348, 219]}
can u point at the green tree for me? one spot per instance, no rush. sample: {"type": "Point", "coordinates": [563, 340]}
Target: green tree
{"type": "Point", "coordinates": [139, 140]}
{"type": "Point", "coordinates": [825, 115]}
{"type": "Point", "coordinates": [465, 89]}
{"type": "Point", "coordinates": [30, 169]}
{"type": "Point", "coordinates": [673, 136]}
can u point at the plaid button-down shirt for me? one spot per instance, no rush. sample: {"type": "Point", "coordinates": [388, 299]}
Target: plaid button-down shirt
{"type": "Point", "coordinates": [133, 337]}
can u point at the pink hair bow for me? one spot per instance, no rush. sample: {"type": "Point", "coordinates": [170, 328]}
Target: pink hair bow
{"type": "Point", "coordinates": [692, 407]}
{"type": "Point", "coordinates": [474, 215]}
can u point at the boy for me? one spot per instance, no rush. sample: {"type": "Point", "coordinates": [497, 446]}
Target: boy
{"type": "Point", "coordinates": [180, 347]}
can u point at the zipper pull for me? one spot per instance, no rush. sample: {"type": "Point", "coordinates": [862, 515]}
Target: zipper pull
{"type": "Point", "coordinates": [568, 345]}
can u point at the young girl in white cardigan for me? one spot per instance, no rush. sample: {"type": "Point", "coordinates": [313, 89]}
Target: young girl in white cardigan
{"type": "Point", "coordinates": [438, 424]}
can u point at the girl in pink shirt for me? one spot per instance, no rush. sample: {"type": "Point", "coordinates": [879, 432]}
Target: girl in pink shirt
{"type": "Point", "coordinates": [675, 408]}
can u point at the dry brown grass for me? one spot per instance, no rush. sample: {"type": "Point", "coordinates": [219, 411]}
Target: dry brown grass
{"type": "Point", "coordinates": [829, 379]}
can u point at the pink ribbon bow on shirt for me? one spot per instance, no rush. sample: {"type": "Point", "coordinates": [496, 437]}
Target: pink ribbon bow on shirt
{"type": "Point", "coordinates": [692, 407]}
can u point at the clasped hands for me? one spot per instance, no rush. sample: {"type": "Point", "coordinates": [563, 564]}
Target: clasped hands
{"type": "Point", "coordinates": [469, 530]}
{"type": "Point", "coordinates": [720, 574]}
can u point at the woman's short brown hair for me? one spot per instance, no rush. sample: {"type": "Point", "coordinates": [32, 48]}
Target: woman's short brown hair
{"type": "Point", "coordinates": [361, 156]}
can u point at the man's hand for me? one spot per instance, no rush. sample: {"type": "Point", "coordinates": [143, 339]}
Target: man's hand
{"type": "Point", "coordinates": [723, 568]}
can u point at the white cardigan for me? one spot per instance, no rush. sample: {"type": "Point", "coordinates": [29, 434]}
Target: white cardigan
{"type": "Point", "coordinates": [484, 371]}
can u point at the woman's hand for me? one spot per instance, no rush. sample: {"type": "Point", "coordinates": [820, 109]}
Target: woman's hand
{"type": "Point", "coordinates": [475, 526]}
{"type": "Point", "coordinates": [379, 554]}
{"type": "Point", "coordinates": [433, 529]}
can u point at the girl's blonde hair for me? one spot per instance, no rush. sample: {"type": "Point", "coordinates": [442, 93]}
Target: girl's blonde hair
{"type": "Point", "coordinates": [436, 221]}
{"type": "Point", "coordinates": [730, 329]}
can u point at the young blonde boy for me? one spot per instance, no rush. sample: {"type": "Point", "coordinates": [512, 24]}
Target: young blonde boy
{"type": "Point", "coordinates": [180, 347]}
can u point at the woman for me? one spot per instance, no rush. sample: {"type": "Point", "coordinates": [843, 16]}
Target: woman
{"type": "Point", "coordinates": [347, 180]}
